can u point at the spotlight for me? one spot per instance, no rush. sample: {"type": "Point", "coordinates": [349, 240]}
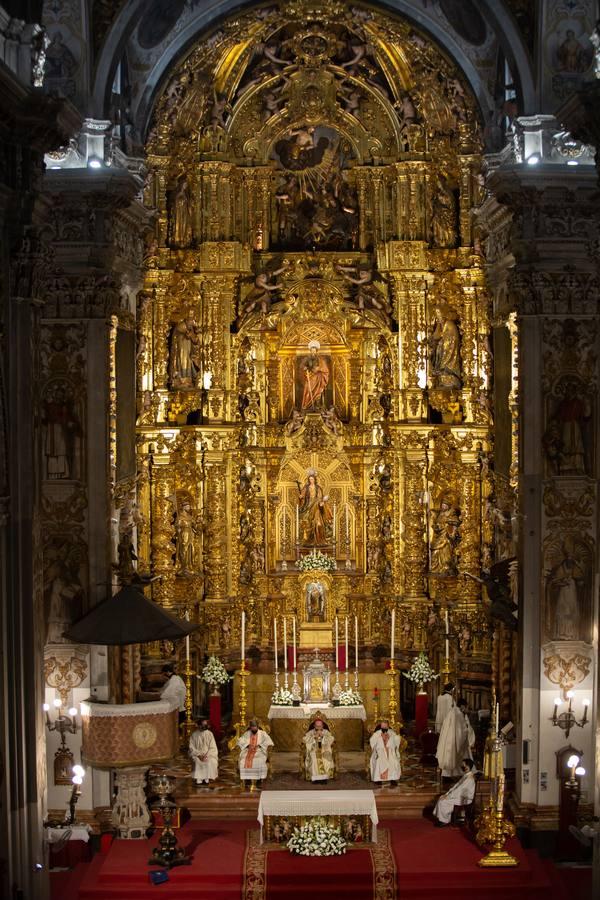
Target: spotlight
{"type": "Point", "coordinates": [533, 160]}
{"type": "Point", "coordinates": [572, 162]}
{"type": "Point", "coordinates": [94, 162]}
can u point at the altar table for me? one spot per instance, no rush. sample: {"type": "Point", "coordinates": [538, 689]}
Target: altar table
{"type": "Point", "coordinates": [289, 724]}
{"type": "Point", "coordinates": [339, 807]}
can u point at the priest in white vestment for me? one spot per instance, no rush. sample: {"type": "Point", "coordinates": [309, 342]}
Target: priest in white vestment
{"type": "Point", "coordinates": [456, 741]}
{"type": "Point", "coordinates": [174, 690]}
{"type": "Point", "coordinates": [385, 753]}
{"type": "Point", "coordinates": [460, 794]}
{"type": "Point", "coordinates": [318, 752]}
{"type": "Point", "coordinates": [204, 753]}
{"type": "Point", "coordinates": [444, 705]}
{"type": "Point", "coordinates": [254, 745]}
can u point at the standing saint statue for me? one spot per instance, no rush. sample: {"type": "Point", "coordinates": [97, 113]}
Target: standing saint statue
{"type": "Point", "coordinates": [181, 224]}
{"type": "Point", "coordinates": [443, 215]}
{"type": "Point", "coordinates": [184, 362]}
{"type": "Point", "coordinates": [315, 373]}
{"type": "Point", "coordinates": [445, 352]}
{"type": "Point", "coordinates": [314, 512]}
{"type": "Point", "coordinates": [565, 581]}
{"type": "Point", "coordinates": [185, 530]}
{"type": "Point", "coordinates": [444, 539]}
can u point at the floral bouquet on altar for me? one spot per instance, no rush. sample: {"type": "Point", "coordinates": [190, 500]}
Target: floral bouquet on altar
{"type": "Point", "coordinates": [317, 838]}
{"type": "Point", "coordinates": [282, 697]}
{"type": "Point", "coordinates": [421, 672]}
{"type": "Point", "coordinates": [350, 698]}
{"type": "Point", "coordinates": [316, 560]}
{"type": "Point", "coordinates": [214, 672]}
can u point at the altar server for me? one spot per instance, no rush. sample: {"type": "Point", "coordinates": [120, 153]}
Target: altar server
{"type": "Point", "coordinates": [444, 705]}
{"type": "Point", "coordinates": [456, 742]}
{"type": "Point", "coordinates": [254, 745]}
{"type": "Point", "coordinates": [318, 750]}
{"type": "Point", "coordinates": [460, 794]}
{"type": "Point", "coordinates": [385, 753]}
{"type": "Point", "coordinates": [204, 753]}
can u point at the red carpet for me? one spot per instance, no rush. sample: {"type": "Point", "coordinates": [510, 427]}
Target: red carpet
{"type": "Point", "coordinates": [228, 863]}
{"type": "Point", "coordinates": [363, 873]}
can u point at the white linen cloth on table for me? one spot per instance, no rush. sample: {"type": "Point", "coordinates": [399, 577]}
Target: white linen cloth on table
{"type": "Point", "coordinates": [306, 709]}
{"type": "Point", "coordinates": [78, 833]}
{"type": "Point", "coordinates": [318, 803]}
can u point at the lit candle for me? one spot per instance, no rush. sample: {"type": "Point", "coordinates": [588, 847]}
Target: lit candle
{"type": "Point", "coordinates": [294, 635]}
{"type": "Point", "coordinates": [393, 633]}
{"type": "Point", "coordinates": [243, 635]}
{"type": "Point", "coordinates": [336, 644]}
{"type": "Point", "coordinates": [284, 644]}
{"type": "Point", "coordinates": [447, 633]}
{"type": "Point", "coordinates": [275, 634]}
{"type": "Point", "coordinates": [356, 642]}
{"type": "Point", "coordinates": [346, 643]}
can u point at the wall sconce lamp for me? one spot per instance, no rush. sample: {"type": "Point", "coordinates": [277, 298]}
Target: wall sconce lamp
{"type": "Point", "coordinates": [577, 771]}
{"type": "Point", "coordinates": [64, 724]}
{"type": "Point", "coordinates": [568, 720]}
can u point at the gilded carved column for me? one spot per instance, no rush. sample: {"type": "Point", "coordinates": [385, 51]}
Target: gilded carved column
{"type": "Point", "coordinates": [413, 520]}
{"type": "Point", "coordinates": [215, 545]}
{"type": "Point", "coordinates": [162, 491]}
{"type": "Point", "coordinates": [160, 350]}
{"type": "Point", "coordinates": [470, 527]}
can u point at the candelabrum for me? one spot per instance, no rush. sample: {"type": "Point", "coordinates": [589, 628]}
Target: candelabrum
{"type": "Point", "coordinates": [568, 720]}
{"type": "Point", "coordinates": [392, 703]}
{"type": "Point", "coordinates": [494, 828]}
{"type": "Point", "coordinates": [277, 680]}
{"type": "Point", "coordinates": [77, 780]}
{"type": "Point", "coordinates": [285, 679]}
{"type": "Point", "coordinates": [347, 679]}
{"type": "Point", "coordinates": [63, 724]}
{"type": "Point", "coordinates": [337, 687]}
{"type": "Point", "coordinates": [242, 723]}
{"type": "Point", "coordinates": [356, 680]}
{"type": "Point", "coordinates": [188, 725]}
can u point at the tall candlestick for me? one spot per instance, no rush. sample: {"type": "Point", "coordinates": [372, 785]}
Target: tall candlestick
{"type": "Point", "coordinates": [356, 642]}
{"type": "Point", "coordinates": [187, 648]}
{"type": "Point", "coordinates": [243, 635]}
{"type": "Point", "coordinates": [275, 633]}
{"type": "Point", "coordinates": [284, 644]}
{"type": "Point", "coordinates": [336, 645]}
{"type": "Point", "coordinates": [294, 633]}
{"type": "Point", "coordinates": [393, 633]}
{"type": "Point", "coordinates": [346, 643]}
{"type": "Point", "coordinates": [447, 632]}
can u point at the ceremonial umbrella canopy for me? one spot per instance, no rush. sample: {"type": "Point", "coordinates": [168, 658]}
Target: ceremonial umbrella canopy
{"type": "Point", "coordinates": [128, 617]}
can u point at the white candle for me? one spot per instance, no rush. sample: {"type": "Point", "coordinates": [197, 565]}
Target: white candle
{"type": "Point", "coordinates": [356, 642]}
{"type": "Point", "coordinates": [243, 635]}
{"type": "Point", "coordinates": [187, 647]}
{"type": "Point", "coordinates": [284, 644]}
{"type": "Point", "coordinates": [447, 632]}
{"type": "Point", "coordinates": [336, 644]}
{"type": "Point", "coordinates": [297, 524]}
{"type": "Point", "coordinates": [393, 633]}
{"type": "Point", "coordinates": [346, 643]}
{"type": "Point", "coordinates": [294, 631]}
{"type": "Point", "coordinates": [275, 633]}
{"type": "Point", "coordinates": [497, 717]}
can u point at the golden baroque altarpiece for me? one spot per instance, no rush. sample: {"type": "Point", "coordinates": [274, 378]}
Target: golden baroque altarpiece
{"type": "Point", "coordinates": [313, 357]}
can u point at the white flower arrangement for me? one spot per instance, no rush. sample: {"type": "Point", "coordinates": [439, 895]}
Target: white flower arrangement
{"type": "Point", "coordinates": [350, 698]}
{"type": "Point", "coordinates": [282, 697]}
{"type": "Point", "coordinates": [316, 560]}
{"type": "Point", "coordinates": [420, 671]}
{"type": "Point", "coordinates": [317, 838]}
{"type": "Point", "coordinates": [214, 672]}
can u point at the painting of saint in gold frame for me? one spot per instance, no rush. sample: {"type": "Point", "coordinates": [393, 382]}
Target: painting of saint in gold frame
{"type": "Point", "coordinates": [315, 601]}
{"type": "Point", "coordinates": [313, 383]}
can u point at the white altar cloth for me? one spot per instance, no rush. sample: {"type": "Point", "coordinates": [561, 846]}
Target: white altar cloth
{"type": "Point", "coordinates": [305, 710]}
{"type": "Point", "coordinates": [318, 803]}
